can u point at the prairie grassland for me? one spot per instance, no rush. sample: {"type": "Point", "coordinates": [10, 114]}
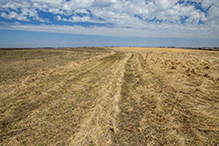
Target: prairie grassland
{"type": "Point", "coordinates": [109, 96]}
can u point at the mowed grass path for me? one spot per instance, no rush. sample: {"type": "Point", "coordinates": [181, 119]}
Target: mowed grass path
{"type": "Point", "coordinates": [109, 96]}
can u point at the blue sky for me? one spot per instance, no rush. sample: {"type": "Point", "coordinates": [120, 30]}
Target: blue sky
{"type": "Point", "coordinates": [73, 23]}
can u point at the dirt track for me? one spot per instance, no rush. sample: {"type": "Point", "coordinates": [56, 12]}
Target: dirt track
{"type": "Point", "coordinates": [125, 96]}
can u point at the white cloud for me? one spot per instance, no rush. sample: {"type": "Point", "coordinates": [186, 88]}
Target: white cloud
{"type": "Point", "coordinates": [12, 15]}
{"type": "Point", "coordinates": [41, 19]}
{"type": "Point", "coordinates": [81, 11]}
{"type": "Point", "coordinates": [4, 15]}
{"type": "Point", "coordinates": [23, 15]}
{"type": "Point", "coordinates": [164, 4]}
{"type": "Point", "coordinates": [213, 12]}
{"type": "Point", "coordinates": [207, 3]}
{"type": "Point", "coordinates": [122, 14]}
{"type": "Point", "coordinates": [59, 18]}
{"type": "Point", "coordinates": [166, 10]}
{"type": "Point", "coordinates": [79, 19]}
{"type": "Point", "coordinates": [56, 11]}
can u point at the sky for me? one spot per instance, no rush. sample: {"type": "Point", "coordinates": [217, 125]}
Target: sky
{"type": "Point", "coordinates": [139, 23]}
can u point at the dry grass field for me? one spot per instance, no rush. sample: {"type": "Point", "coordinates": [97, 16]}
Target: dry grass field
{"type": "Point", "coordinates": [109, 96]}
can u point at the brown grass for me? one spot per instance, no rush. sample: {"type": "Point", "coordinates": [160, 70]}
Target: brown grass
{"type": "Point", "coordinates": [170, 98]}
{"type": "Point", "coordinates": [109, 96]}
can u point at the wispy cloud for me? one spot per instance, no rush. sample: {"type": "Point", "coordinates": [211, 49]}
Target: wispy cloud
{"type": "Point", "coordinates": [152, 30]}
{"type": "Point", "coordinates": [141, 18]}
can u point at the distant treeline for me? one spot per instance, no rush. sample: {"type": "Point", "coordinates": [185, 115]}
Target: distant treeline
{"type": "Point", "coordinates": [200, 48]}
{"type": "Point", "coordinates": [204, 48]}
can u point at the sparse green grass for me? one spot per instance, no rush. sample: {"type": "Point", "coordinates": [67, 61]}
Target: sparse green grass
{"type": "Point", "coordinates": [131, 110]}
{"type": "Point", "coordinates": [47, 96]}
{"type": "Point", "coordinates": [16, 64]}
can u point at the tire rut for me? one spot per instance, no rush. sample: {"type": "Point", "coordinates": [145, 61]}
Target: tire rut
{"type": "Point", "coordinates": [100, 121]}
